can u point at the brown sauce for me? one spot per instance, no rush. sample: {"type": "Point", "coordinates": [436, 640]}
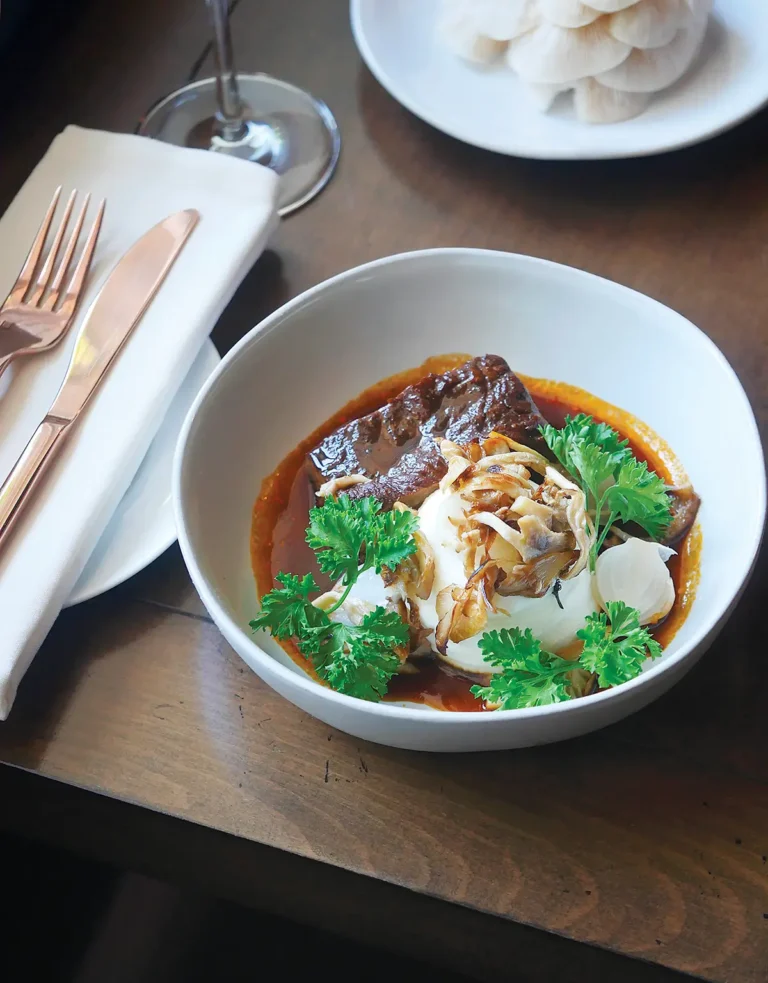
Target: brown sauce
{"type": "Point", "coordinates": [435, 686]}
{"type": "Point", "coordinates": [280, 517]}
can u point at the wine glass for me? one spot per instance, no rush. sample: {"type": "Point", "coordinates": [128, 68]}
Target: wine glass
{"type": "Point", "coordinates": [254, 117]}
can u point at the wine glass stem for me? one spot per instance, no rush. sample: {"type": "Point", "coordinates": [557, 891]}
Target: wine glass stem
{"type": "Point", "coordinates": [230, 110]}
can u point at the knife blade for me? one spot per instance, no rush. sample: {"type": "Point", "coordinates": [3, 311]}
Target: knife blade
{"type": "Point", "coordinates": [107, 325]}
{"type": "Point", "coordinates": [118, 308]}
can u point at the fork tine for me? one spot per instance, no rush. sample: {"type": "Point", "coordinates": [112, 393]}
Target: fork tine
{"type": "Point", "coordinates": [61, 272]}
{"type": "Point", "coordinates": [45, 273]}
{"type": "Point", "coordinates": [21, 286]}
{"type": "Point", "coordinates": [75, 285]}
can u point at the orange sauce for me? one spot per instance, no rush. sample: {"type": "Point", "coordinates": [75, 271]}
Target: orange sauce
{"type": "Point", "coordinates": [281, 509]}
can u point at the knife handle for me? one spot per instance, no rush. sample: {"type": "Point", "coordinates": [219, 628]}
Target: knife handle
{"type": "Point", "coordinates": [28, 471]}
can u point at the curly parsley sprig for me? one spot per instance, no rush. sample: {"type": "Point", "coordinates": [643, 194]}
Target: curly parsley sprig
{"type": "Point", "coordinates": [348, 537]}
{"type": "Point", "coordinates": [616, 645]}
{"type": "Point", "coordinates": [529, 677]}
{"type": "Point", "coordinates": [615, 648]}
{"type": "Point", "coordinates": [617, 486]}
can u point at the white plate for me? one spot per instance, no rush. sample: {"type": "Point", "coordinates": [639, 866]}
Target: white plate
{"type": "Point", "coordinates": [143, 526]}
{"type": "Point", "coordinates": [487, 107]}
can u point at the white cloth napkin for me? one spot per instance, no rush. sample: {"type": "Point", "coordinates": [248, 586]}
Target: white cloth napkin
{"type": "Point", "coordinates": [143, 182]}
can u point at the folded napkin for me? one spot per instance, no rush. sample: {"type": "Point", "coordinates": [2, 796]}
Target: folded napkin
{"type": "Point", "coordinates": [143, 182]}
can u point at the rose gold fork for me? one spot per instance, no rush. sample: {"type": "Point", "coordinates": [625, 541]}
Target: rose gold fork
{"type": "Point", "coordinates": [37, 311]}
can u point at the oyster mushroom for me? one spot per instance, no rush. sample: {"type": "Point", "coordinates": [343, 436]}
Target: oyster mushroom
{"type": "Point", "coordinates": [610, 6]}
{"type": "Point", "coordinates": [539, 540]}
{"type": "Point", "coordinates": [542, 96]}
{"type": "Point", "coordinates": [462, 613]}
{"type": "Point", "coordinates": [479, 30]}
{"type": "Point", "coordinates": [510, 481]}
{"type": "Point", "coordinates": [503, 20]}
{"type": "Point", "coordinates": [555, 55]}
{"type": "Point", "coordinates": [532, 539]}
{"type": "Point", "coordinates": [596, 103]}
{"type": "Point", "coordinates": [568, 13]}
{"type": "Point", "coordinates": [336, 485]}
{"type": "Point", "coordinates": [652, 23]}
{"type": "Point", "coordinates": [534, 579]}
{"type": "Point", "coordinates": [575, 514]}
{"type": "Point", "coordinates": [458, 463]}
{"type": "Point", "coordinates": [458, 30]}
{"type": "Point", "coordinates": [526, 455]}
{"type": "Point", "coordinates": [417, 634]}
{"type": "Point", "coordinates": [416, 573]}
{"type": "Point", "coordinates": [654, 69]}
{"type": "Point", "coordinates": [528, 506]}
{"type": "Point", "coordinates": [611, 53]}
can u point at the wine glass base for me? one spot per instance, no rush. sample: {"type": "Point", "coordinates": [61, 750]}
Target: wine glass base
{"type": "Point", "coordinates": [284, 128]}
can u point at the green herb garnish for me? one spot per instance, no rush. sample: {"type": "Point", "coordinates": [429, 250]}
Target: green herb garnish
{"type": "Point", "coordinates": [348, 537]}
{"type": "Point", "coordinates": [616, 645]}
{"type": "Point", "coordinates": [530, 677]}
{"type": "Point", "coordinates": [618, 487]}
{"type": "Point", "coordinates": [358, 661]}
{"type": "Point", "coordinates": [615, 648]}
{"type": "Point", "coordinates": [286, 611]}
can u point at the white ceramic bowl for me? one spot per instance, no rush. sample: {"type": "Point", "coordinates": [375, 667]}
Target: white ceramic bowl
{"type": "Point", "coordinates": [318, 351]}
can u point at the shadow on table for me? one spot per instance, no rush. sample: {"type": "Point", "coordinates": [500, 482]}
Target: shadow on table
{"type": "Point", "coordinates": [402, 140]}
{"type": "Point", "coordinates": [102, 924]}
{"type": "Point", "coordinates": [261, 292]}
{"type": "Point", "coordinates": [74, 643]}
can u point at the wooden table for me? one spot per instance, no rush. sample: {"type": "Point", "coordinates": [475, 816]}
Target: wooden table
{"type": "Point", "coordinates": [647, 840]}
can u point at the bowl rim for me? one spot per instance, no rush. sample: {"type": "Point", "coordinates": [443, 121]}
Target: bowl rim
{"type": "Point", "coordinates": [295, 677]}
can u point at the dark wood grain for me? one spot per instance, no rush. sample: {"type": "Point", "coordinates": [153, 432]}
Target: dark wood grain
{"type": "Point", "coordinates": [596, 840]}
{"type": "Point", "coordinates": [648, 839]}
{"type": "Point", "coordinates": [321, 895]}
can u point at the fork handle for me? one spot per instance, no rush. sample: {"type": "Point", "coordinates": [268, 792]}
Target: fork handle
{"type": "Point", "coordinates": [28, 471]}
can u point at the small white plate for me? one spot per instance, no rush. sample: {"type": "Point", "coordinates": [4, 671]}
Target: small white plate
{"type": "Point", "coordinates": [143, 526]}
{"type": "Point", "coordinates": [487, 107]}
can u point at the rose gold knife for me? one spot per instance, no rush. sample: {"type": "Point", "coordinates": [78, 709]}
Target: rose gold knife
{"type": "Point", "coordinates": [111, 318]}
